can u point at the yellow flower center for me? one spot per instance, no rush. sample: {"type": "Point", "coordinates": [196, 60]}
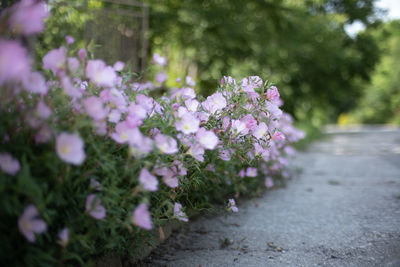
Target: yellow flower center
{"type": "Point", "coordinates": [26, 225]}
{"type": "Point", "coordinates": [65, 150]}
{"type": "Point", "coordinates": [163, 147]}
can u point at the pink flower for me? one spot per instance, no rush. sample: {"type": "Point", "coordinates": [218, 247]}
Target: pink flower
{"type": "Point", "coordinates": [159, 60]}
{"type": "Point", "coordinates": [249, 84]}
{"type": "Point", "coordinates": [69, 39]}
{"type": "Point", "coordinates": [115, 98]}
{"type": "Point", "coordinates": [190, 81]}
{"type": "Point", "coordinates": [258, 149]}
{"type": "Point", "coordinates": [69, 88]}
{"type": "Point", "coordinates": [55, 60]}
{"type": "Point", "coordinates": [260, 131]}
{"type": "Point", "coordinates": [161, 77]}
{"type": "Point", "coordinates": [155, 131]}
{"type": "Point", "coordinates": [27, 17]}
{"type": "Point", "coordinates": [133, 121]}
{"type": "Point", "coordinates": [142, 147]}
{"type": "Point", "coordinates": [42, 110]}
{"type": "Point", "coordinates": [145, 102]}
{"type": "Point", "coordinates": [35, 83]}
{"type": "Point", "coordinates": [94, 208]}
{"type": "Point", "coordinates": [137, 87]}
{"type": "Point", "coordinates": [94, 108]}
{"type": "Point", "coordinates": [187, 124]}
{"type": "Point", "coordinates": [14, 62]}
{"type": "Point", "coordinates": [148, 181]}
{"type": "Point", "coordinates": [239, 128]}
{"type": "Point", "coordinates": [228, 80]}
{"type": "Point", "coordinates": [29, 224]}
{"type": "Point", "coordinates": [225, 155]}
{"type": "Point", "coordinates": [226, 123]}
{"type": "Point", "coordinates": [232, 205]}
{"type": "Point", "coordinates": [192, 105]}
{"type": "Point", "coordinates": [141, 217]}
{"type": "Point", "coordinates": [166, 144]}
{"type": "Point", "coordinates": [178, 213]}
{"type": "Point", "coordinates": [94, 184]}
{"type": "Point", "coordinates": [63, 237]}
{"type": "Point", "coordinates": [181, 111]}
{"type": "Point", "coordinates": [207, 139]}
{"type": "Point", "coordinates": [250, 122]}
{"type": "Point", "coordinates": [274, 110]}
{"type": "Point", "coordinates": [203, 116]}
{"type": "Point", "coordinates": [119, 66]}
{"type": "Point", "coordinates": [82, 54]}
{"type": "Point", "coordinates": [197, 151]}
{"type": "Point", "coordinates": [269, 183]}
{"type": "Point", "coordinates": [69, 148]}
{"type": "Point", "coordinates": [125, 134]}
{"type": "Point", "coordinates": [114, 116]}
{"type": "Point", "coordinates": [8, 164]}
{"type": "Point", "coordinates": [214, 103]}
{"type": "Point", "coordinates": [170, 176]}
{"type": "Point", "coordinates": [137, 111]}
{"type": "Point", "coordinates": [242, 173]}
{"type": "Point", "coordinates": [171, 180]}
{"type": "Point", "coordinates": [251, 172]}
{"type": "Point", "coordinates": [187, 93]}
{"type": "Point", "coordinates": [73, 64]}
{"type": "Point", "coordinates": [100, 74]}
{"type": "Point", "coordinates": [272, 94]}
{"type": "Point", "coordinates": [278, 136]}
{"type": "Point", "coordinates": [253, 97]}
{"type": "Point", "coordinates": [178, 168]}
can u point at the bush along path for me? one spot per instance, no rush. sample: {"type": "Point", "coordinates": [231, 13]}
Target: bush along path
{"type": "Point", "coordinates": [91, 162]}
{"type": "Point", "coordinates": [342, 210]}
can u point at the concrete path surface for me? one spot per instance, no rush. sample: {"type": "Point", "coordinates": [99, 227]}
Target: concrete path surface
{"type": "Point", "coordinates": [342, 210]}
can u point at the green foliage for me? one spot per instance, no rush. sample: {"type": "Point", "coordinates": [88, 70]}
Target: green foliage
{"type": "Point", "coordinates": [301, 45]}
{"type": "Point", "coordinates": [68, 18]}
{"type": "Point", "coordinates": [381, 99]}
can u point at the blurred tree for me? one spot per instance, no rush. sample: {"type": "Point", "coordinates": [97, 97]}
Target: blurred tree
{"type": "Point", "coordinates": [300, 45]}
{"type": "Point", "coordinates": [67, 18]}
{"type": "Point", "coordinates": [381, 99]}
{"type": "Point", "coordinates": [362, 10]}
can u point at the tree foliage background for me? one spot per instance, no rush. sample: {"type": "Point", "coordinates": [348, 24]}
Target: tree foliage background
{"type": "Point", "coordinates": [299, 45]}
{"type": "Point", "coordinates": [380, 101]}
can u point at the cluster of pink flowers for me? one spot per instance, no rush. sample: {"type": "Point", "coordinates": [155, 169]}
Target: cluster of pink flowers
{"type": "Point", "coordinates": [241, 123]}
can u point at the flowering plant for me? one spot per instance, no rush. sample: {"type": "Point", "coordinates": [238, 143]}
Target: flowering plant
{"type": "Point", "coordinates": [91, 161]}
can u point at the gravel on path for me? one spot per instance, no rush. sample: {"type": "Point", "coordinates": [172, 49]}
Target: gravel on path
{"type": "Point", "coordinates": [342, 210]}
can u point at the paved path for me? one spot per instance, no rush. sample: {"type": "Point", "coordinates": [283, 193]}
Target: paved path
{"type": "Point", "coordinates": [342, 210]}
